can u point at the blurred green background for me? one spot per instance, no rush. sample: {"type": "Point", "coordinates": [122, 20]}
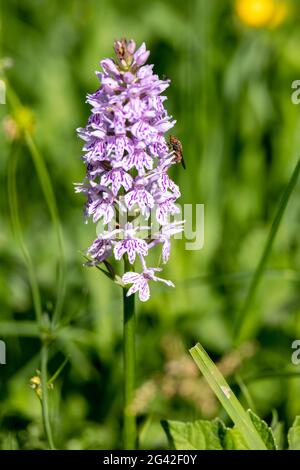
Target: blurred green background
{"type": "Point", "coordinates": [231, 67]}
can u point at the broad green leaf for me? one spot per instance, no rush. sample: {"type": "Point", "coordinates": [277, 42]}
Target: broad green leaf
{"type": "Point", "coordinates": [234, 440]}
{"type": "Point", "coordinates": [294, 435]}
{"type": "Point", "coordinates": [264, 430]}
{"type": "Point", "coordinates": [197, 435]}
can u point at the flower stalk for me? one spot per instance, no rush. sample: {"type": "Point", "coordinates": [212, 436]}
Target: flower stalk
{"type": "Point", "coordinates": [129, 428]}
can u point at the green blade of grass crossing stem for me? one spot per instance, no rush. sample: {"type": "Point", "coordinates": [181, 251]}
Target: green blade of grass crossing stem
{"type": "Point", "coordinates": [227, 398]}
{"type": "Point", "coordinates": [49, 195]}
{"type": "Point", "coordinates": [17, 229]}
{"type": "Point", "coordinates": [47, 188]}
{"type": "Point", "coordinates": [243, 316]}
{"type": "Point", "coordinates": [33, 329]}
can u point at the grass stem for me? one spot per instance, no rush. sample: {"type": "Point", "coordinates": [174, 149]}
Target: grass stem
{"type": "Point", "coordinates": [44, 398]}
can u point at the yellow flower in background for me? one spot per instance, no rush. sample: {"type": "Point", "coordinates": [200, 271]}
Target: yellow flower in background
{"type": "Point", "coordinates": [260, 13]}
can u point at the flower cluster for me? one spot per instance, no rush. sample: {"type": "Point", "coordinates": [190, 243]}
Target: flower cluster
{"type": "Point", "coordinates": [127, 158]}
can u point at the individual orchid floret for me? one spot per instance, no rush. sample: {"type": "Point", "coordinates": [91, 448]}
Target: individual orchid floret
{"type": "Point", "coordinates": [131, 244]}
{"type": "Point", "coordinates": [140, 282]}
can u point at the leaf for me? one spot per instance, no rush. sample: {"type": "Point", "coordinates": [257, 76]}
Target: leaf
{"type": "Point", "coordinates": [19, 328]}
{"type": "Point", "coordinates": [58, 372]}
{"type": "Point", "coordinates": [109, 273]}
{"type": "Point", "coordinates": [50, 198]}
{"type": "Point", "coordinates": [197, 435]}
{"type": "Point", "coordinates": [234, 440]}
{"type": "Point", "coordinates": [18, 233]}
{"type": "Point", "coordinates": [294, 435]}
{"type": "Point", "coordinates": [264, 430]}
{"type": "Point", "coordinates": [278, 431]}
{"type": "Point", "coordinates": [279, 435]}
{"type": "Point", "coordinates": [214, 435]}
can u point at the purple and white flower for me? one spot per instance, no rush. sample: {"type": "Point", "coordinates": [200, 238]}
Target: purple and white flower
{"type": "Point", "coordinates": [140, 281]}
{"type": "Point", "coordinates": [131, 246]}
{"type": "Point", "coordinates": [127, 160]}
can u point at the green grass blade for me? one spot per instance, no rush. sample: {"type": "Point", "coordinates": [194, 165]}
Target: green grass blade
{"type": "Point", "coordinates": [47, 189]}
{"type": "Point", "coordinates": [59, 371]}
{"type": "Point", "coordinates": [245, 392]}
{"type": "Point", "coordinates": [49, 195]}
{"type": "Point", "coordinates": [17, 229]}
{"type": "Point", "coordinates": [19, 328]}
{"type": "Point", "coordinates": [227, 398]}
{"type": "Point", "coordinates": [225, 279]}
{"type": "Point", "coordinates": [243, 316]}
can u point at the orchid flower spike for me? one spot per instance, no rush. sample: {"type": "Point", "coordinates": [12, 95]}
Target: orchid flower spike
{"type": "Point", "coordinates": [127, 159]}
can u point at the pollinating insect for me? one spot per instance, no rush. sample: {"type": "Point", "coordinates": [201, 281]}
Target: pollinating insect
{"type": "Point", "coordinates": [176, 146]}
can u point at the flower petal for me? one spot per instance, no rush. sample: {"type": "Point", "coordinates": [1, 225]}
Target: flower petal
{"type": "Point", "coordinates": [144, 291]}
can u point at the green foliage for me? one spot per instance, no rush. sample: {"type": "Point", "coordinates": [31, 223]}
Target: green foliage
{"type": "Point", "coordinates": [278, 432]}
{"type": "Point", "coordinates": [230, 94]}
{"type": "Point", "coordinates": [234, 440]}
{"type": "Point", "coordinates": [294, 435]}
{"type": "Point", "coordinates": [214, 435]}
{"type": "Point", "coordinates": [250, 432]}
{"type": "Point", "coordinates": [263, 430]}
{"type": "Point", "coordinates": [248, 426]}
{"type": "Point", "coordinates": [200, 434]}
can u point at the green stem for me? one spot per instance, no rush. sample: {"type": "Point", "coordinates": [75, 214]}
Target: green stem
{"type": "Point", "coordinates": [225, 395]}
{"type": "Point", "coordinates": [129, 430]}
{"type": "Point", "coordinates": [49, 194]}
{"type": "Point", "coordinates": [17, 229]}
{"type": "Point", "coordinates": [44, 399]}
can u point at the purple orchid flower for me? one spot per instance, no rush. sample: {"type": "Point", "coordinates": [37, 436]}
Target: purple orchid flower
{"type": "Point", "coordinates": [127, 160]}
